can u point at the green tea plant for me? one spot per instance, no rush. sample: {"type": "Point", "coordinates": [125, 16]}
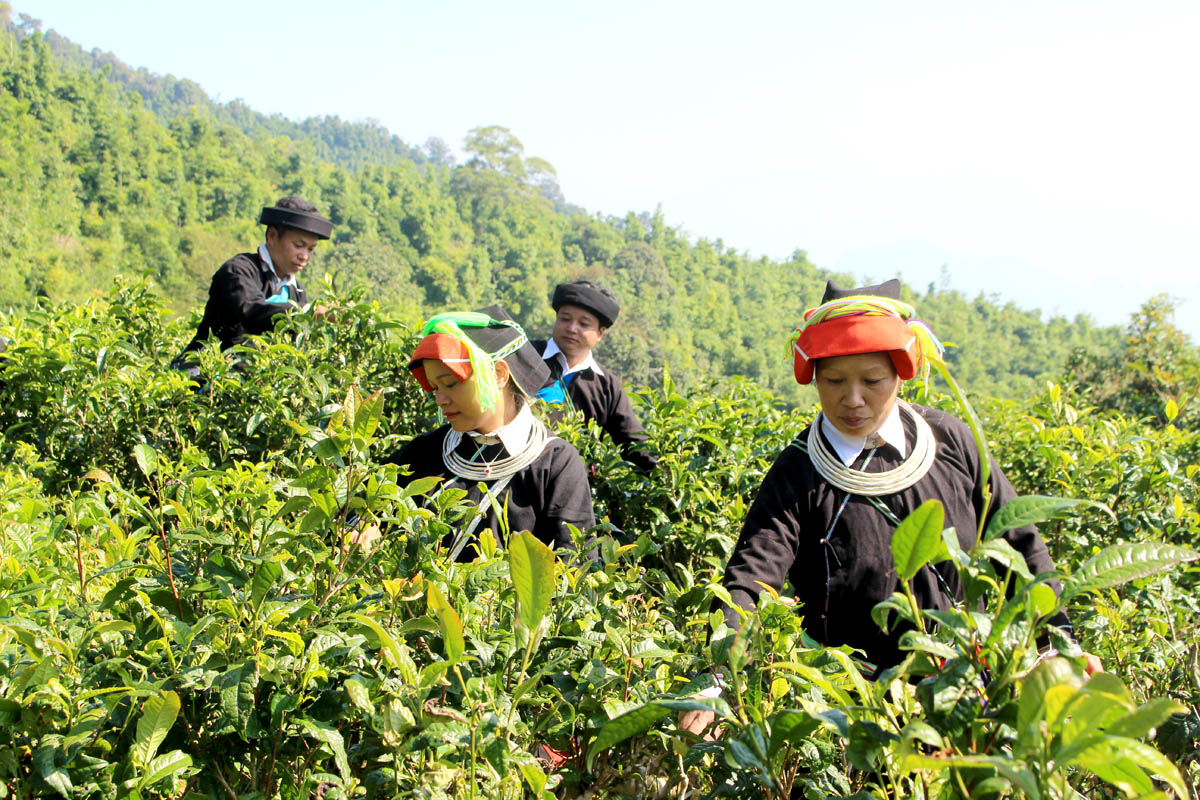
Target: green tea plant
{"type": "Point", "coordinates": [186, 610]}
{"type": "Point", "coordinates": [84, 384]}
{"type": "Point", "coordinates": [973, 711]}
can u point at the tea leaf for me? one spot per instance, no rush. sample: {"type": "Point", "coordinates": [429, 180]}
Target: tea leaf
{"type": "Point", "coordinates": [1149, 716]}
{"type": "Point", "coordinates": [1117, 760]}
{"type": "Point", "coordinates": [618, 729]}
{"type": "Point", "coordinates": [531, 564]}
{"type": "Point", "coordinates": [1121, 563]}
{"type": "Point", "coordinates": [448, 622]}
{"type": "Point", "coordinates": [237, 695]}
{"type": "Point", "coordinates": [359, 694]}
{"type": "Point", "coordinates": [1032, 707]}
{"type": "Point", "coordinates": [164, 766]}
{"type": "Point", "coordinates": [330, 736]}
{"type": "Point", "coordinates": [367, 416]}
{"type": "Point", "coordinates": [56, 777]}
{"type": "Point", "coordinates": [158, 715]}
{"type": "Point", "coordinates": [264, 578]}
{"type": "Point", "coordinates": [1014, 770]}
{"type": "Point", "coordinates": [1027, 510]}
{"type": "Point", "coordinates": [389, 648]}
{"type": "Point", "coordinates": [147, 459]}
{"type": "Point", "coordinates": [790, 727]}
{"type": "Point", "coordinates": [917, 538]}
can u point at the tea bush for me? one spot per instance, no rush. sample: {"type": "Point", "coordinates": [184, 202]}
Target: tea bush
{"type": "Point", "coordinates": [184, 612]}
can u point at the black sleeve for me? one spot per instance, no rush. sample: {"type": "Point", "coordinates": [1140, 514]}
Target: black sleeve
{"type": "Point", "coordinates": [1026, 539]}
{"type": "Point", "coordinates": [422, 456]}
{"type": "Point", "coordinates": [567, 497]}
{"type": "Point", "coordinates": [767, 544]}
{"type": "Point", "coordinates": [623, 428]}
{"type": "Point", "coordinates": [241, 289]}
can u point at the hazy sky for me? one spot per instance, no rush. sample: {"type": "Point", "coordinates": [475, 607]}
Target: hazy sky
{"type": "Point", "coordinates": [1046, 151]}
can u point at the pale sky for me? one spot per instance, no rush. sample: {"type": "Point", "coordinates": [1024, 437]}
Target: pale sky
{"type": "Point", "coordinates": [1042, 150]}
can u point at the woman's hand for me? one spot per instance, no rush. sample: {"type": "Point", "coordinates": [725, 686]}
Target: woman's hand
{"type": "Point", "coordinates": [1092, 664]}
{"type": "Point", "coordinates": [365, 539]}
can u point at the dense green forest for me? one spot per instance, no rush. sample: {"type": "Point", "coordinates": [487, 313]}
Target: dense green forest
{"type": "Point", "coordinates": [107, 170]}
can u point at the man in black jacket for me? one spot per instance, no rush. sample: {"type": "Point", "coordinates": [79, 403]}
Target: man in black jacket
{"type": "Point", "coordinates": [585, 312]}
{"type": "Point", "coordinates": [251, 289]}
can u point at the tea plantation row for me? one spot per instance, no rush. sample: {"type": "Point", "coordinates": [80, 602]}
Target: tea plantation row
{"type": "Point", "coordinates": [182, 613]}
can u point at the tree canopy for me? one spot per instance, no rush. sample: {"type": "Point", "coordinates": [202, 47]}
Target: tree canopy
{"type": "Point", "coordinates": [105, 170]}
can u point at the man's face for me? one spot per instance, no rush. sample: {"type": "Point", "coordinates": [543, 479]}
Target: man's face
{"type": "Point", "coordinates": [290, 249]}
{"type": "Point", "coordinates": [577, 331]}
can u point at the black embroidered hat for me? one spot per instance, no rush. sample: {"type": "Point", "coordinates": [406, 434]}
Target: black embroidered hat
{"type": "Point", "coordinates": [589, 296]}
{"type": "Point", "coordinates": [494, 336]}
{"type": "Point", "coordinates": [886, 289]}
{"type": "Point", "coordinates": [296, 212]}
{"type": "Point", "coordinates": [526, 364]}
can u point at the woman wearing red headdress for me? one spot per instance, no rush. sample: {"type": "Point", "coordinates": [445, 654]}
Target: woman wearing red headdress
{"type": "Point", "coordinates": [824, 516]}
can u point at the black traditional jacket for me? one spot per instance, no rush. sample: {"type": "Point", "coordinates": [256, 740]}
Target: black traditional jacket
{"type": "Point", "coordinates": [841, 570]}
{"type": "Point", "coordinates": [237, 302]}
{"type": "Point", "coordinates": [600, 397]}
{"type": "Point", "coordinates": [542, 498]}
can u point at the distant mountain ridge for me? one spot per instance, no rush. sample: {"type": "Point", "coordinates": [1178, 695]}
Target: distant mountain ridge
{"type": "Point", "coordinates": [352, 145]}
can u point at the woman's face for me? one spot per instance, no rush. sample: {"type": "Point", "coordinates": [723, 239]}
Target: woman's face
{"type": "Point", "coordinates": [857, 392]}
{"type": "Point", "coordinates": [457, 401]}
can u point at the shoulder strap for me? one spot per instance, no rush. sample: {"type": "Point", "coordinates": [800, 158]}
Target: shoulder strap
{"type": "Point", "coordinates": [489, 498]}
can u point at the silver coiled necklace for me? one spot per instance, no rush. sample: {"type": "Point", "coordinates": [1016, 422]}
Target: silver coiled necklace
{"type": "Point", "coordinates": [875, 484]}
{"type": "Point", "coordinates": [497, 468]}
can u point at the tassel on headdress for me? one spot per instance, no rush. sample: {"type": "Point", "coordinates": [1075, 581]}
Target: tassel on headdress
{"type": "Point", "coordinates": [483, 365]}
{"type": "Point", "coordinates": [470, 343]}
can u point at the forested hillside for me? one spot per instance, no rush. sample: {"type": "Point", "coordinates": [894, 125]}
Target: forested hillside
{"type": "Point", "coordinates": [97, 180]}
{"type": "Point", "coordinates": [347, 144]}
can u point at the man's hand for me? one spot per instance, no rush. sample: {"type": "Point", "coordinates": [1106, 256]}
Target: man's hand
{"type": "Point", "coordinates": [698, 722]}
{"type": "Point", "coordinates": [331, 312]}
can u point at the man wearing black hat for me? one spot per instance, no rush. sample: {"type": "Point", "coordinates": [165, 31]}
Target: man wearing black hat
{"type": "Point", "coordinates": [584, 312]}
{"type": "Point", "coordinates": [251, 289]}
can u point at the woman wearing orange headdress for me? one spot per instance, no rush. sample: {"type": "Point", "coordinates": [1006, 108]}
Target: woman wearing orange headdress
{"type": "Point", "coordinates": [824, 516]}
{"type": "Point", "coordinates": [483, 373]}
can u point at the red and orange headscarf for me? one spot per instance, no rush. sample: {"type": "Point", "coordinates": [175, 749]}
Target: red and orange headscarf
{"type": "Point", "coordinates": [860, 324]}
{"type": "Point", "coordinates": [446, 339]}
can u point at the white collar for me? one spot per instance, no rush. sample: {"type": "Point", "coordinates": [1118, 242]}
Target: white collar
{"type": "Point", "coordinates": [269, 265]}
{"type": "Point", "coordinates": [552, 349]}
{"type": "Point", "coordinates": [848, 448]}
{"type": "Point", "coordinates": [514, 436]}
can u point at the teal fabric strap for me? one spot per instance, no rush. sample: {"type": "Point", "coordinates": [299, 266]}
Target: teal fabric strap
{"type": "Point", "coordinates": [284, 296]}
